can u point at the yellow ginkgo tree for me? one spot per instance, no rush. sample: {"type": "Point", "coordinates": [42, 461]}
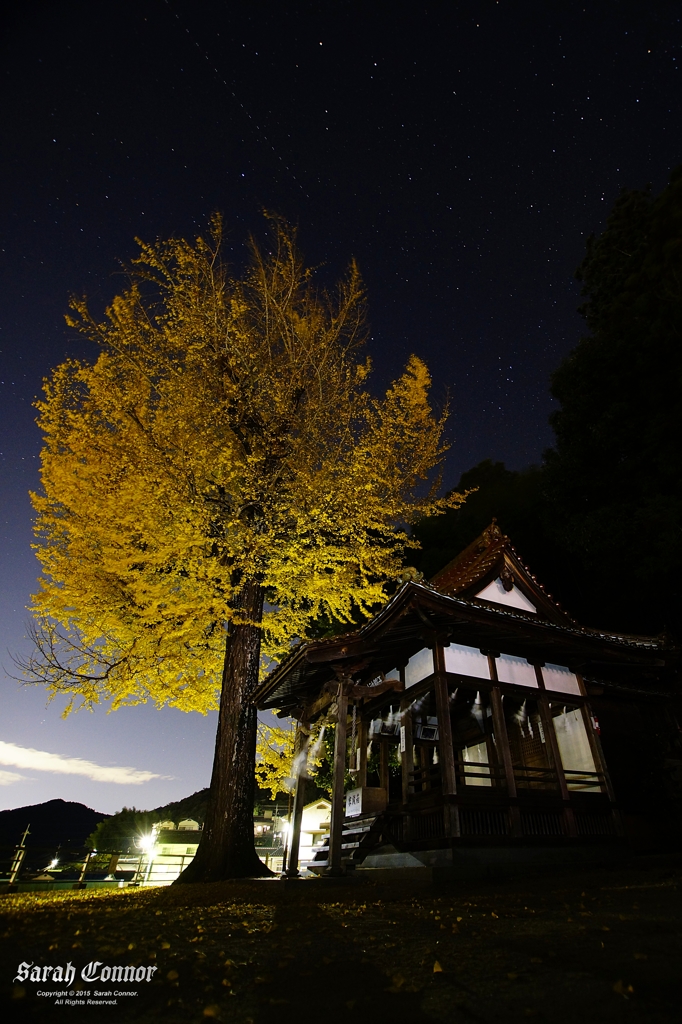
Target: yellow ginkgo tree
{"type": "Point", "coordinates": [275, 751]}
{"type": "Point", "coordinates": [217, 480]}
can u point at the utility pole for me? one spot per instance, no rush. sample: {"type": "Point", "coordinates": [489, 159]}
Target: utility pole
{"type": "Point", "coordinates": [19, 854]}
{"type": "Point", "coordinates": [80, 884]}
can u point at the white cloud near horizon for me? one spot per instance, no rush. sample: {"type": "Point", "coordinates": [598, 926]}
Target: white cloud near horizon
{"type": "Point", "coordinates": [42, 761]}
{"type": "Point", "coordinates": [7, 778]}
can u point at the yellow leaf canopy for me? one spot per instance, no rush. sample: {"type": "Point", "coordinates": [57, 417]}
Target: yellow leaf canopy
{"type": "Point", "coordinates": [225, 433]}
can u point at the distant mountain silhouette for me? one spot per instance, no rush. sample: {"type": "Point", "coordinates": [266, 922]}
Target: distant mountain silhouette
{"type": "Point", "coordinates": [193, 806]}
{"type": "Point", "coordinates": [54, 823]}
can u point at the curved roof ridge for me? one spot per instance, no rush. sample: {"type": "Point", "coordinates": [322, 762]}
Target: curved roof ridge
{"type": "Point", "coordinates": [540, 585]}
{"type": "Point", "coordinates": [478, 558]}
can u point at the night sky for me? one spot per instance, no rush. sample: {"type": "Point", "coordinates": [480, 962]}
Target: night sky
{"type": "Point", "coordinates": [462, 153]}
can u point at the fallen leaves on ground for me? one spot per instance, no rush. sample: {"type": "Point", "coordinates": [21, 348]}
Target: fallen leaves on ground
{"type": "Point", "coordinates": [236, 952]}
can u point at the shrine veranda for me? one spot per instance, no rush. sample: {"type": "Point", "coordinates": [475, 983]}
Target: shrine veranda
{"type": "Point", "coordinates": [485, 731]}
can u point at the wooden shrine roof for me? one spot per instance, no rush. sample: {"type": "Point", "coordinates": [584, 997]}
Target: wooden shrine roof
{"type": "Point", "coordinates": [490, 556]}
{"type": "Point", "coordinates": [418, 610]}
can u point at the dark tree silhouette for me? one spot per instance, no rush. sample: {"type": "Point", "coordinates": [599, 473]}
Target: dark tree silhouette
{"type": "Point", "coordinates": [614, 477]}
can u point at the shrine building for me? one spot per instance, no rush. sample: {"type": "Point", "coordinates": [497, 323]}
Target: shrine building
{"type": "Point", "coordinates": [471, 716]}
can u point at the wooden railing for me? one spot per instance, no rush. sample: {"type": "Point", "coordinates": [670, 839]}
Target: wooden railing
{"type": "Point", "coordinates": [428, 826]}
{"type": "Point", "coordinates": [542, 822]}
{"type": "Point", "coordinates": [484, 822]}
{"type": "Point", "coordinates": [424, 779]}
{"type": "Point", "coordinates": [535, 778]}
{"type": "Point", "coordinates": [493, 773]}
{"type": "Point", "coordinates": [395, 828]}
{"type": "Point", "coordinates": [495, 821]}
{"type": "Point", "coordinates": [576, 780]}
{"type": "Point", "coordinates": [526, 777]}
{"type": "Point", "coordinates": [595, 824]}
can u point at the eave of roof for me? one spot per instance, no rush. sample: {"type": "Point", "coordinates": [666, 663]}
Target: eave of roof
{"type": "Point", "coordinates": [615, 647]}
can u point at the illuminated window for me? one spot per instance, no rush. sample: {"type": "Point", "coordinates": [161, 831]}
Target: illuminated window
{"type": "Point", "coordinates": [466, 661]}
{"type": "Point", "coordinates": [515, 670]}
{"type": "Point", "coordinates": [528, 744]}
{"type": "Point", "coordinates": [558, 677]}
{"type": "Point", "coordinates": [472, 736]}
{"type": "Point", "coordinates": [478, 774]}
{"type": "Point", "coordinates": [419, 667]}
{"type": "Point", "coordinates": [575, 750]}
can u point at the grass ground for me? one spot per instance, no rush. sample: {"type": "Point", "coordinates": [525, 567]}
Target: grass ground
{"type": "Point", "coordinates": [568, 949]}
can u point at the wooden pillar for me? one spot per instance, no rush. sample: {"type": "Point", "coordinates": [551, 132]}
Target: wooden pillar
{"type": "Point", "coordinates": [301, 768]}
{"type": "Point", "coordinates": [334, 866]}
{"type": "Point", "coordinates": [406, 747]}
{"type": "Point", "coordinates": [446, 751]}
{"type": "Point", "coordinates": [597, 752]}
{"type": "Point", "coordinates": [362, 740]}
{"type": "Point", "coordinates": [554, 753]}
{"type": "Point", "coordinates": [383, 764]}
{"type": "Point", "coordinates": [493, 760]}
{"type": "Point", "coordinates": [503, 751]}
{"type": "Point", "coordinates": [600, 765]}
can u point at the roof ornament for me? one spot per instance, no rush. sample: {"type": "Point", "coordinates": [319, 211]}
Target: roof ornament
{"type": "Point", "coordinates": [492, 533]}
{"type": "Point", "coordinates": [410, 575]}
{"type": "Point", "coordinates": [507, 579]}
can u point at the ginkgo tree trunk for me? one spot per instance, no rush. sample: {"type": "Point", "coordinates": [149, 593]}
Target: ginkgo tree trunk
{"type": "Point", "coordinates": [218, 478]}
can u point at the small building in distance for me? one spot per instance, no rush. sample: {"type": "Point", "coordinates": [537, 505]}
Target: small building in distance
{"type": "Point", "coordinates": [169, 848]}
{"type": "Point", "coordinates": [164, 854]}
{"type": "Point", "coordinates": [315, 823]}
{"type": "Point", "coordinates": [272, 831]}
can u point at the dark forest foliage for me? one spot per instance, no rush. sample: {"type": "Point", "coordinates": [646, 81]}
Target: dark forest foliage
{"type": "Point", "coordinates": [614, 477]}
{"type": "Point", "coordinates": [600, 523]}
{"type": "Point", "coordinates": [119, 832]}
